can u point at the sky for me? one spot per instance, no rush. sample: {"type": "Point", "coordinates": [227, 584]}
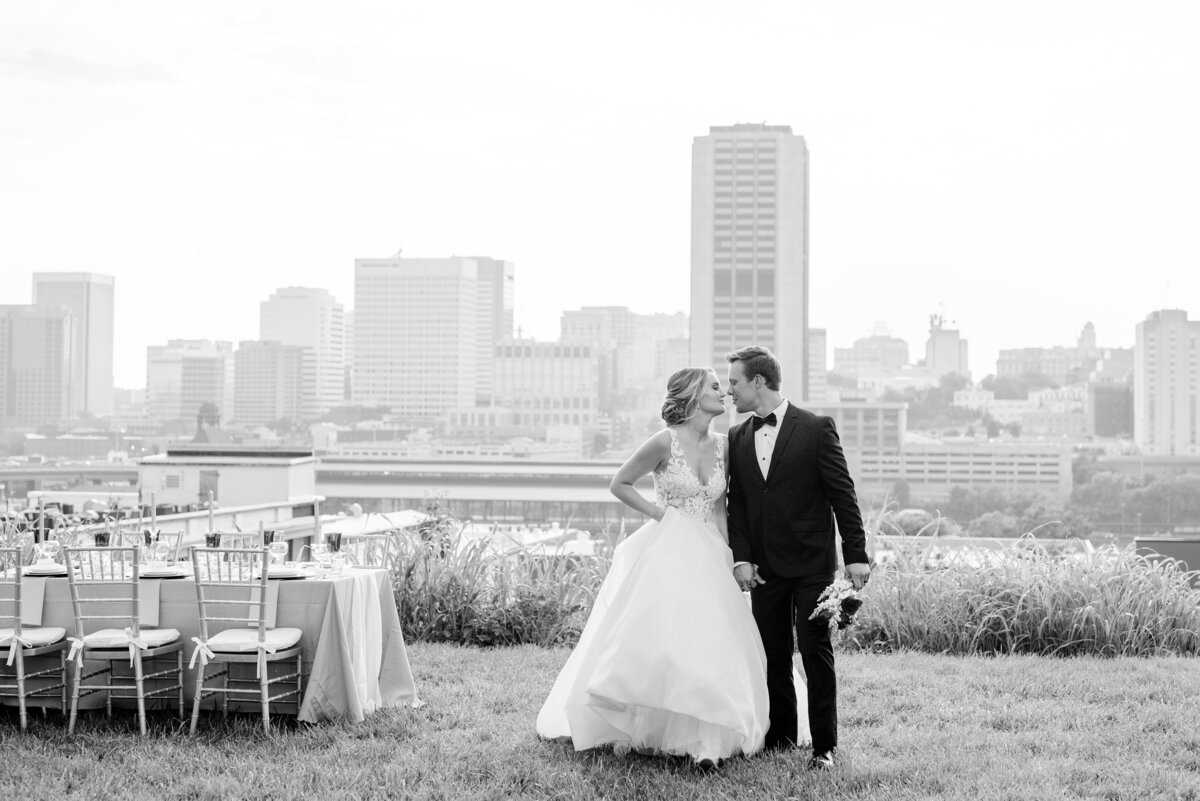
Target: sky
{"type": "Point", "coordinates": [1021, 168]}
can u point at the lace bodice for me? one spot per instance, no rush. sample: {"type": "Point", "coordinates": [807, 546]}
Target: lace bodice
{"type": "Point", "coordinates": [676, 485]}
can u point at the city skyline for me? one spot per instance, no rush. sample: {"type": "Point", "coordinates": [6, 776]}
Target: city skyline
{"type": "Point", "coordinates": [1020, 178]}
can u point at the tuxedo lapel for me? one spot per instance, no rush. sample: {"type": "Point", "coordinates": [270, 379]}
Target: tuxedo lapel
{"type": "Point", "coordinates": [745, 452]}
{"type": "Point", "coordinates": [786, 426]}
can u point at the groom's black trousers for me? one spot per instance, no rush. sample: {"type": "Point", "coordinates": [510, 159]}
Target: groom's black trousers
{"type": "Point", "coordinates": [781, 606]}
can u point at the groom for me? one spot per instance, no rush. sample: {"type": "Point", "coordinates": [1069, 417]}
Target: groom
{"type": "Point", "coordinates": [787, 482]}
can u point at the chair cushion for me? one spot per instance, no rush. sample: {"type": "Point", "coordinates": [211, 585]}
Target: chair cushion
{"type": "Point", "coordinates": [36, 635]}
{"type": "Point", "coordinates": [241, 640]}
{"type": "Point", "coordinates": [117, 638]}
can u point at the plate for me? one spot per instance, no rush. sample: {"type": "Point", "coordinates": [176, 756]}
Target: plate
{"type": "Point", "coordinates": [46, 570]}
{"type": "Point", "coordinates": [164, 574]}
{"type": "Point", "coordinates": [287, 573]}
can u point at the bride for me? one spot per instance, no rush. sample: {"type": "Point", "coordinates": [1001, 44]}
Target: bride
{"type": "Point", "coordinates": [670, 661]}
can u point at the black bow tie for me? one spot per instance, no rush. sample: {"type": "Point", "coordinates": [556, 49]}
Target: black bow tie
{"type": "Point", "coordinates": [759, 422]}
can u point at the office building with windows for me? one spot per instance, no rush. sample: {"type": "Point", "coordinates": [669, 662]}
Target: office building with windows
{"type": "Point", "coordinates": [749, 262]}
{"type": "Point", "coordinates": [90, 299]}
{"type": "Point", "coordinates": [313, 320]}
{"type": "Point", "coordinates": [1166, 384]}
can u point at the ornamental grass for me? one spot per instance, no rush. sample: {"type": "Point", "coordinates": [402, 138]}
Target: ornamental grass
{"type": "Point", "coordinates": [1028, 599]}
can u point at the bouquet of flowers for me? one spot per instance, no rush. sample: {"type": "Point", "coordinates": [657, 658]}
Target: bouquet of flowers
{"type": "Point", "coordinates": [838, 603]}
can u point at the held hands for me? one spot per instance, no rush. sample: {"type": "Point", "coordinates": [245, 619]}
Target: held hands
{"type": "Point", "coordinates": [747, 577]}
{"type": "Point", "coordinates": [858, 574]}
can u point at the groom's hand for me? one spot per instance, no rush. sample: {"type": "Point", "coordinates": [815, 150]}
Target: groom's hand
{"type": "Point", "coordinates": [858, 574]}
{"type": "Point", "coordinates": [746, 575]}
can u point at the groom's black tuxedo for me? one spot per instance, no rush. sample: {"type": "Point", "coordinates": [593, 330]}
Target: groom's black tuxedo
{"type": "Point", "coordinates": [784, 523]}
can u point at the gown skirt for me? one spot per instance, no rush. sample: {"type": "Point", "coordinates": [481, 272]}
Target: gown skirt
{"type": "Point", "coordinates": [670, 660]}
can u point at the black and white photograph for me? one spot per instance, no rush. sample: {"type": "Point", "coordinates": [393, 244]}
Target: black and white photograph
{"type": "Point", "coordinates": [663, 400]}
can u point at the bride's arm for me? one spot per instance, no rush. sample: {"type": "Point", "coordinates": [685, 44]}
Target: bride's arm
{"type": "Point", "coordinates": [719, 517]}
{"type": "Point", "coordinates": [648, 457]}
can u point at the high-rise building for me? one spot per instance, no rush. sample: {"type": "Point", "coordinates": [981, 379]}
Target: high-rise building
{"type": "Point", "coordinates": [90, 298]}
{"type": "Point", "coordinates": [1166, 384]}
{"type": "Point", "coordinates": [36, 345]}
{"type": "Point", "coordinates": [269, 382]}
{"type": "Point", "coordinates": [419, 325]}
{"type": "Point", "coordinates": [497, 286]}
{"type": "Point", "coordinates": [749, 278]}
{"type": "Point", "coordinates": [313, 320]}
{"type": "Point", "coordinates": [818, 381]}
{"type": "Point", "coordinates": [186, 374]}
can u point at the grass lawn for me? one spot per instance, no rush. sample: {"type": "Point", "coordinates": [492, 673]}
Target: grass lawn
{"type": "Point", "coordinates": [912, 726]}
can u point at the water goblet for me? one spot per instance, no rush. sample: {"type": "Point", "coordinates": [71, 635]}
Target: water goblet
{"type": "Point", "coordinates": [279, 552]}
{"type": "Point", "coordinates": [52, 549]}
{"type": "Point", "coordinates": [159, 552]}
{"type": "Point", "coordinates": [338, 559]}
{"type": "Point", "coordinates": [320, 552]}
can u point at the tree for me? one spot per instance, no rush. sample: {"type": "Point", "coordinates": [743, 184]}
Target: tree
{"type": "Point", "coordinates": [1016, 387]}
{"type": "Point", "coordinates": [953, 382]}
{"type": "Point", "coordinates": [992, 425]}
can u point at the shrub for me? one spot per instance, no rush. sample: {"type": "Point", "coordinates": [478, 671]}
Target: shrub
{"type": "Point", "coordinates": [1029, 600]}
{"type": "Point", "coordinates": [450, 589]}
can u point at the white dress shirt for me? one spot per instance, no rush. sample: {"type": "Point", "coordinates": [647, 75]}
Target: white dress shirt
{"type": "Point", "coordinates": [764, 438]}
{"type": "Point", "coordinates": [764, 445]}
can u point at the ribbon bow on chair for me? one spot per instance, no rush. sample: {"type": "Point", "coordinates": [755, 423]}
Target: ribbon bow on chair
{"type": "Point", "coordinates": [263, 650]}
{"type": "Point", "coordinates": [134, 644]}
{"type": "Point", "coordinates": [201, 652]}
{"type": "Point", "coordinates": [15, 642]}
{"type": "Point", "coordinates": [76, 651]}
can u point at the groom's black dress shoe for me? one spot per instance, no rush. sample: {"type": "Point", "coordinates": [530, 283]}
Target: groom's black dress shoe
{"type": "Point", "coordinates": [821, 761]}
{"type": "Point", "coordinates": [706, 766]}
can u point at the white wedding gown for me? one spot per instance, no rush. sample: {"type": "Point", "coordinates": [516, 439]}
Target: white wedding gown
{"type": "Point", "coordinates": [670, 660]}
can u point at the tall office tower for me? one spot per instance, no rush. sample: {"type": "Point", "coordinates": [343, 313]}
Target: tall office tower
{"type": "Point", "coordinates": [818, 381]}
{"type": "Point", "coordinates": [184, 375]}
{"type": "Point", "coordinates": [418, 334]}
{"type": "Point", "coordinates": [90, 298]}
{"type": "Point", "coordinates": [750, 247]}
{"type": "Point", "coordinates": [269, 382]}
{"type": "Point", "coordinates": [496, 298]}
{"type": "Point", "coordinates": [36, 345]}
{"type": "Point", "coordinates": [1166, 384]}
{"type": "Point", "coordinates": [311, 319]}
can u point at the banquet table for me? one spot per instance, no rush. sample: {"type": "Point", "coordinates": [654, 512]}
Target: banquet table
{"type": "Point", "coordinates": [352, 646]}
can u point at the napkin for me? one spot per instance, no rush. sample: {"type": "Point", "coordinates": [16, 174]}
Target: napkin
{"type": "Point", "coordinates": [33, 593]}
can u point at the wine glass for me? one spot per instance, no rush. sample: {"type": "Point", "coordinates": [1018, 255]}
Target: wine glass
{"type": "Point", "coordinates": [47, 551]}
{"type": "Point", "coordinates": [159, 552]}
{"type": "Point", "coordinates": [279, 552]}
{"type": "Point", "coordinates": [320, 552]}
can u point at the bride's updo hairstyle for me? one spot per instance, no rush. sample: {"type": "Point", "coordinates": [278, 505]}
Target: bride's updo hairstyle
{"type": "Point", "coordinates": [684, 389]}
